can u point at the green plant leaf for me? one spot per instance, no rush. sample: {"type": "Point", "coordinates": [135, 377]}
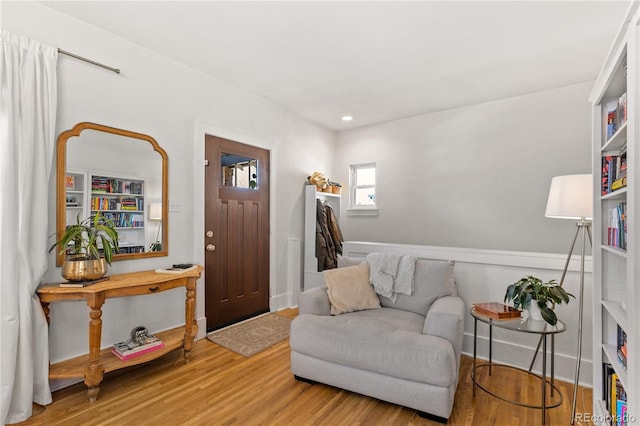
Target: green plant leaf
{"type": "Point", "coordinates": [87, 235]}
{"type": "Point", "coordinates": [547, 314]}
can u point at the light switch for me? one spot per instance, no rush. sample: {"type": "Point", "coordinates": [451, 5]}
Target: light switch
{"type": "Point", "coordinates": [175, 205]}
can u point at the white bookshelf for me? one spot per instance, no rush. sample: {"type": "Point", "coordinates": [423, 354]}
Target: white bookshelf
{"type": "Point", "coordinates": [84, 200]}
{"type": "Point", "coordinates": [616, 271]}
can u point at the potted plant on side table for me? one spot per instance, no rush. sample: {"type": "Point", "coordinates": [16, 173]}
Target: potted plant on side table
{"type": "Point", "coordinates": [89, 246]}
{"type": "Point", "coordinates": [531, 293]}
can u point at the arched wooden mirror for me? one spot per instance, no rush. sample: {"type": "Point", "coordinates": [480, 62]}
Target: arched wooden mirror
{"type": "Point", "coordinates": [122, 175]}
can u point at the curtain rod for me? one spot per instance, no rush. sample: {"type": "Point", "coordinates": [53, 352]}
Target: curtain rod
{"type": "Point", "coordinates": [73, 55]}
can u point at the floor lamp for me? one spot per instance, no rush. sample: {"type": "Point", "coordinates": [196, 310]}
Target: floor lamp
{"type": "Point", "coordinates": [155, 213]}
{"type": "Point", "coordinates": [571, 197]}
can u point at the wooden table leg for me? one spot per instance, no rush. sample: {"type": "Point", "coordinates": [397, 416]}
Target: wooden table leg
{"type": "Point", "coordinates": [95, 369]}
{"type": "Point", "coordinates": [189, 308]}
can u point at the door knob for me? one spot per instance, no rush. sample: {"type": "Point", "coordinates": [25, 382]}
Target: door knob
{"type": "Point", "coordinates": [209, 234]}
{"type": "Point", "coordinates": [211, 247]}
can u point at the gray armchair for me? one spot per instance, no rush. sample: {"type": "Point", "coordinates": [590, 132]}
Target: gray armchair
{"type": "Point", "coordinates": [407, 352]}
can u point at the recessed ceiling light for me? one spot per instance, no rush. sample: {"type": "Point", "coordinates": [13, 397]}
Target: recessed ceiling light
{"type": "Point", "coordinates": [347, 118]}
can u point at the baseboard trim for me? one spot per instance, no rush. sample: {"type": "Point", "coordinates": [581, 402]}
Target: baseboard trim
{"type": "Point", "coordinates": [504, 351]}
{"type": "Point", "coordinates": [281, 301]}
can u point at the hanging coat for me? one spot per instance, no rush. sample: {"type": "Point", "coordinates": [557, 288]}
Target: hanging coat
{"type": "Point", "coordinates": [334, 229]}
{"type": "Point", "coordinates": [325, 248]}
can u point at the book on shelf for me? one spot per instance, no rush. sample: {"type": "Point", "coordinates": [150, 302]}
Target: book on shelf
{"type": "Point", "coordinates": [621, 346]}
{"type": "Point", "coordinates": [132, 348]}
{"type": "Point", "coordinates": [614, 396]}
{"type": "Point", "coordinates": [611, 119]}
{"type": "Point", "coordinates": [178, 268]}
{"type": "Point", "coordinates": [616, 115]}
{"type": "Point", "coordinates": [617, 226]}
{"type": "Point", "coordinates": [82, 284]}
{"type": "Point", "coordinates": [496, 310]}
{"type": "Point", "coordinates": [614, 172]}
{"type": "Point", "coordinates": [622, 109]}
{"type": "Point", "coordinates": [619, 183]}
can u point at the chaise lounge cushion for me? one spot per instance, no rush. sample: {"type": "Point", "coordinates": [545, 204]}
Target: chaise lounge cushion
{"type": "Point", "coordinates": [385, 341]}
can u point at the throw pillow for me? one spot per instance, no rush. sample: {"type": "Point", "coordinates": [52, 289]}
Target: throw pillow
{"type": "Point", "coordinates": [349, 289]}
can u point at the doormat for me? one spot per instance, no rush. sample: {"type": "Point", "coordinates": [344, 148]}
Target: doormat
{"type": "Point", "coordinates": [253, 336]}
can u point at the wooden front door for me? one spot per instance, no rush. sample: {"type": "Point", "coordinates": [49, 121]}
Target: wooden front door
{"type": "Point", "coordinates": [236, 232]}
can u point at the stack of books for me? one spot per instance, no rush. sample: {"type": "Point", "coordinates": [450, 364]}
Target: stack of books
{"type": "Point", "coordinates": [134, 348]}
{"type": "Point", "coordinates": [496, 310]}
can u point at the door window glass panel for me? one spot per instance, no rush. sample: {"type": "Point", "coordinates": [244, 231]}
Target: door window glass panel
{"type": "Point", "coordinates": [239, 171]}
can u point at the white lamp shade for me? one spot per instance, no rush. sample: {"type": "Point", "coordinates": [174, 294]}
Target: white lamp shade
{"type": "Point", "coordinates": [155, 211]}
{"type": "Point", "coordinates": [570, 197]}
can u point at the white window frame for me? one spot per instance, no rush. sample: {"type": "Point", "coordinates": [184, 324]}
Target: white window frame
{"type": "Point", "coordinates": [359, 210]}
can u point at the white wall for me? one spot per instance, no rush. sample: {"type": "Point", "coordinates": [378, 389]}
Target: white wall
{"type": "Point", "coordinates": [164, 99]}
{"type": "Point", "coordinates": [473, 177]}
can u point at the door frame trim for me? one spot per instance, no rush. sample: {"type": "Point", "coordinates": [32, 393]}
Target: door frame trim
{"type": "Point", "coordinates": [201, 130]}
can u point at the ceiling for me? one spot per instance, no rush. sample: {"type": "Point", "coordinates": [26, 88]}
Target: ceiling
{"type": "Point", "coordinates": [377, 61]}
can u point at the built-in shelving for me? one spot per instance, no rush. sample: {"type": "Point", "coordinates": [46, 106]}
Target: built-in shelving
{"type": "Point", "coordinates": [616, 273]}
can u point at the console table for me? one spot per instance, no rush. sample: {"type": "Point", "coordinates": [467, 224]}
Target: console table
{"type": "Point", "coordinates": [519, 325]}
{"type": "Point", "coordinates": [93, 365]}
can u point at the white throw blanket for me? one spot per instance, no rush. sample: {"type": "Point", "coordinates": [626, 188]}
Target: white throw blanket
{"type": "Point", "coordinates": [391, 274]}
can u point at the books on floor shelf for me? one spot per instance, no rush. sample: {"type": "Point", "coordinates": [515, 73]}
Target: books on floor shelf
{"type": "Point", "coordinates": [132, 348]}
{"type": "Point", "coordinates": [615, 397]}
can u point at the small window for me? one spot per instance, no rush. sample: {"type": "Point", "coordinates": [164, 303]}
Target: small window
{"type": "Point", "coordinates": [363, 186]}
{"type": "Point", "coordinates": [238, 171]}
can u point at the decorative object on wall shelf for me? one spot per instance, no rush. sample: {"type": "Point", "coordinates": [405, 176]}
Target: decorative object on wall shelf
{"type": "Point", "coordinates": [319, 180]}
{"type": "Point", "coordinates": [89, 245]}
{"type": "Point", "coordinates": [531, 290]}
{"type": "Point", "coordinates": [336, 188]}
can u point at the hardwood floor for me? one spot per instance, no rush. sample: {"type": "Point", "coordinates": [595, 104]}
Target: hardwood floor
{"type": "Point", "coordinates": [219, 387]}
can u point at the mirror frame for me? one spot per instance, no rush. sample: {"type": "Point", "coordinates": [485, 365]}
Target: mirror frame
{"type": "Point", "coordinates": [61, 169]}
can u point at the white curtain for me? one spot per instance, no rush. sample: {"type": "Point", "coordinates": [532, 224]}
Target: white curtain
{"type": "Point", "coordinates": [28, 96]}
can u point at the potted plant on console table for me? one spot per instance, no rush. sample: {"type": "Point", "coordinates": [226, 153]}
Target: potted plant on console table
{"type": "Point", "coordinates": [531, 293]}
{"type": "Point", "coordinates": [89, 246]}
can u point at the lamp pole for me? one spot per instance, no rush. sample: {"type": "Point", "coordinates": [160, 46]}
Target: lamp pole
{"type": "Point", "coordinates": [584, 229]}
